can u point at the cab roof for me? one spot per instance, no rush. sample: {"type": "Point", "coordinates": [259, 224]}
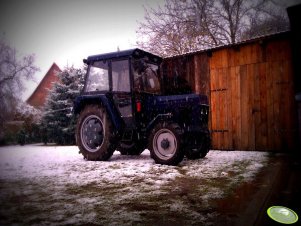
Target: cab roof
{"type": "Point", "coordinates": [135, 53]}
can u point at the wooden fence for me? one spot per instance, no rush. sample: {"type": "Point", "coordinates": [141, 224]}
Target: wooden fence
{"type": "Point", "coordinates": [251, 91]}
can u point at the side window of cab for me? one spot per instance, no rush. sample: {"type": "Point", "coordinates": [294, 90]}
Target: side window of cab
{"type": "Point", "coordinates": [146, 77]}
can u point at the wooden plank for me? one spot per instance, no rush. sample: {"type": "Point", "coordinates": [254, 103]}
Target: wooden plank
{"type": "Point", "coordinates": [190, 72]}
{"type": "Point", "coordinates": [213, 78]}
{"type": "Point", "coordinates": [221, 100]}
{"type": "Point", "coordinates": [270, 107]}
{"type": "Point", "coordinates": [213, 118]}
{"type": "Point", "coordinates": [197, 74]}
{"type": "Point", "coordinates": [244, 108]}
{"type": "Point", "coordinates": [284, 103]}
{"type": "Point", "coordinates": [233, 119]}
{"type": "Point", "coordinates": [288, 111]}
{"type": "Point", "coordinates": [213, 105]}
{"type": "Point", "coordinates": [250, 106]}
{"type": "Point", "coordinates": [277, 70]}
{"type": "Point", "coordinates": [216, 111]}
{"type": "Point", "coordinates": [226, 109]}
{"type": "Point", "coordinates": [219, 109]}
{"type": "Point", "coordinates": [221, 112]}
{"type": "Point", "coordinates": [256, 105]}
{"type": "Point", "coordinates": [261, 133]}
{"type": "Point", "coordinates": [228, 106]}
{"type": "Point", "coordinates": [236, 107]}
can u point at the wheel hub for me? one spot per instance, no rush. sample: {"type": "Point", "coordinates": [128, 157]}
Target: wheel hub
{"type": "Point", "coordinates": [165, 144]}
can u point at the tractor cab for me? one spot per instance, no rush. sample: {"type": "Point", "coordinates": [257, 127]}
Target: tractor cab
{"type": "Point", "coordinates": [126, 76]}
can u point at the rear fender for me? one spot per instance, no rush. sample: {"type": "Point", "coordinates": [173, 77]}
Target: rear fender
{"type": "Point", "coordinates": [81, 101]}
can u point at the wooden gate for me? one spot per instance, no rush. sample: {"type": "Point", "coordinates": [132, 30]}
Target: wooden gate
{"type": "Point", "coordinates": [252, 101]}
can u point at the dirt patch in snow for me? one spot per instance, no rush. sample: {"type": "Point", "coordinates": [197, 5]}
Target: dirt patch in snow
{"type": "Point", "coordinates": [41, 185]}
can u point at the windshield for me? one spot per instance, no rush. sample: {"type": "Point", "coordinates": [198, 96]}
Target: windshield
{"type": "Point", "coordinates": [146, 77]}
{"type": "Point", "coordinates": [98, 77]}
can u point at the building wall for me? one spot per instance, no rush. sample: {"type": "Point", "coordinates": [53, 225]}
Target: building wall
{"type": "Point", "coordinates": [251, 92]}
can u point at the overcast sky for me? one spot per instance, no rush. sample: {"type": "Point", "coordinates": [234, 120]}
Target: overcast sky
{"type": "Point", "coordinates": [66, 31]}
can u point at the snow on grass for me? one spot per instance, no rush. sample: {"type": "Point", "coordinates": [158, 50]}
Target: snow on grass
{"type": "Point", "coordinates": [54, 185]}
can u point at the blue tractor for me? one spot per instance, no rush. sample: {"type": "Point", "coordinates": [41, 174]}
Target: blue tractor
{"type": "Point", "coordinates": [123, 107]}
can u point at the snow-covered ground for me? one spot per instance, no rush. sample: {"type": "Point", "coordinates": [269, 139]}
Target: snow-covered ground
{"type": "Point", "coordinates": [42, 185]}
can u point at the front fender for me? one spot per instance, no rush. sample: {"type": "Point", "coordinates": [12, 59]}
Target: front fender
{"type": "Point", "coordinates": [114, 115]}
{"type": "Point", "coordinates": [158, 118]}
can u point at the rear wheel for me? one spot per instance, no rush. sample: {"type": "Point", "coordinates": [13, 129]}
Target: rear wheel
{"type": "Point", "coordinates": [94, 133]}
{"type": "Point", "coordinates": [200, 151]}
{"type": "Point", "coordinates": [165, 144]}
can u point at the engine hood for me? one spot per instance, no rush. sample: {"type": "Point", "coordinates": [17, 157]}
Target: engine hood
{"type": "Point", "coordinates": [169, 104]}
{"type": "Point", "coordinates": [180, 100]}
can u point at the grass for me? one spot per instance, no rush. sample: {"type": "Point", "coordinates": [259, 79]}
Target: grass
{"type": "Point", "coordinates": [178, 202]}
{"type": "Point", "coordinates": [161, 195]}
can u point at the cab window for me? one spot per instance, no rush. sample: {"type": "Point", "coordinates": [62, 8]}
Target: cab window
{"type": "Point", "coordinates": [121, 76]}
{"type": "Point", "coordinates": [146, 77]}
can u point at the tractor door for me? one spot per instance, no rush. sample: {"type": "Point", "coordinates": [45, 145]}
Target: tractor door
{"type": "Point", "coordinates": [122, 90]}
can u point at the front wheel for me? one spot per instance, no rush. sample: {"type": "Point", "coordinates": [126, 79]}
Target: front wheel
{"type": "Point", "coordinates": [165, 144]}
{"type": "Point", "coordinates": [94, 133]}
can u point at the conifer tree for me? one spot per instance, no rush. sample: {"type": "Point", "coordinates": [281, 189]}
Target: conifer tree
{"type": "Point", "coordinates": [58, 122]}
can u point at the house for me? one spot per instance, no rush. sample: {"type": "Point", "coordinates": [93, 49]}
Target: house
{"type": "Point", "coordinates": [39, 96]}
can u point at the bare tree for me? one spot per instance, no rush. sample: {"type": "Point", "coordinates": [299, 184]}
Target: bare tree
{"type": "Point", "coordinates": [13, 73]}
{"type": "Point", "coordinates": [164, 30]}
{"type": "Point", "coordinates": [189, 25]}
{"type": "Point", "coordinates": [269, 19]}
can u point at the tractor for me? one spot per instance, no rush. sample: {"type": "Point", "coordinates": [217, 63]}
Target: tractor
{"type": "Point", "coordinates": [123, 107]}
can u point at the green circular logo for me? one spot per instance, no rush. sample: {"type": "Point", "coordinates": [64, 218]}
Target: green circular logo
{"type": "Point", "coordinates": [282, 214]}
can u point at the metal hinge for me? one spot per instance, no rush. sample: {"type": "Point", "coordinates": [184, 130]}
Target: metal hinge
{"type": "Point", "coordinates": [219, 131]}
{"type": "Point", "coordinates": [218, 90]}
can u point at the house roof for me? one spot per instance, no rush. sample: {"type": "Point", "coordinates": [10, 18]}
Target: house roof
{"type": "Point", "coordinates": [38, 97]}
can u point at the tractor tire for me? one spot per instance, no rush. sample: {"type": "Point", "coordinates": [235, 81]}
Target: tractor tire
{"type": "Point", "coordinates": [165, 144]}
{"type": "Point", "coordinates": [201, 151]}
{"type": "Point", "coordinates": [131, 149]}
{"type": "Point", "coordinates": [94, 134]}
